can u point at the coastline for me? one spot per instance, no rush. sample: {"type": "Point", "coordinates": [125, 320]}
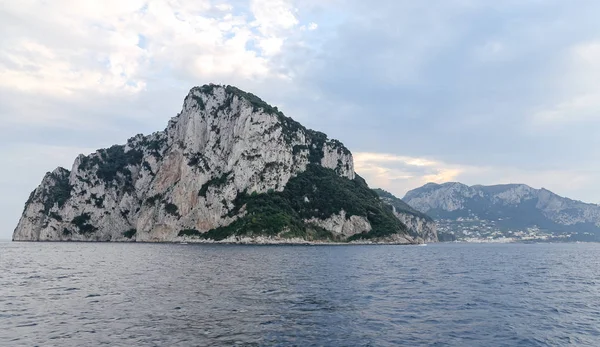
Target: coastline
{"type": "Point", "coordinates": [239, 241]}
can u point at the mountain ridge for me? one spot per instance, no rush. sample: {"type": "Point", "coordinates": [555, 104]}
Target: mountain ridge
{"type": "Point", "coordinates": [508, 206]}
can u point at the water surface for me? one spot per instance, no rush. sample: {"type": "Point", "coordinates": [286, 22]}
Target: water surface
{"type": "Point", "coordinates": [89, 294]}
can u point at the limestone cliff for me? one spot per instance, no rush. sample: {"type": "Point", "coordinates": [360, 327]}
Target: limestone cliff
{"type": "Point", "coordinates": [420, 226]}
{"type": "Point", "coordinates": [227, 165]}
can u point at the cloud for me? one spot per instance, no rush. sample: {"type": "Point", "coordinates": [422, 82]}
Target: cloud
{"type": "Point", "coordinates": [400, 173]}
{"type": "Point", "coordinates": [273, 16]}
{"type": "Point", "coordinates": [61, 48]}
{"type": "Point", "coordinates": [580, 99]}
{"type": "Point", "coordinates": [105, 53]}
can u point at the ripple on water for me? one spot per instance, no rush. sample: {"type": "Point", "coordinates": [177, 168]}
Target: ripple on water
{"type": "Point", "coordinates": [440, 295]}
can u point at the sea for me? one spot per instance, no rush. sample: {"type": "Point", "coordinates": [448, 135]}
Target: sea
{"type": "Point", "coordinates": [128, 294]}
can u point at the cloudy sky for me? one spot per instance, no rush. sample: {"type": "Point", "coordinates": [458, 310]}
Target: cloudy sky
{"type": "Point", "coordinates": [476, 91]}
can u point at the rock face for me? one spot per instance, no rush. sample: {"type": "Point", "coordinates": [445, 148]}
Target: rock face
{"type": "Point", "coordinates": [227, 165]}
{"type": "Point", "coordinates": [511, 206]}
{"type": "Point", "coordinates": [420, 225]}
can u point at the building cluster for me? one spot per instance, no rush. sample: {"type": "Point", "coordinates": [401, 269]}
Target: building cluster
{"type": "Point", "coordinates": [482, 230]}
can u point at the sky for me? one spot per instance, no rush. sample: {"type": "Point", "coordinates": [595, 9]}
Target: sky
{"type": "Point", "coordinates": [475, 91]}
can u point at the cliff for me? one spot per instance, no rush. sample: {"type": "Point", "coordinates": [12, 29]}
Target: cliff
{"type": "Point", "coordinates": [227, 166]}
{"type": "Point", "coordinates": [420, 225]}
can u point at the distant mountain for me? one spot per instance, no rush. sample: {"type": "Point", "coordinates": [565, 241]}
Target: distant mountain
{"type": "Point", "coordinates": [502, 208]}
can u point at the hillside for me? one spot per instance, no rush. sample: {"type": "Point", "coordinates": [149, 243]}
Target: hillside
{"type": "Point", "coordinates": [506, 210]}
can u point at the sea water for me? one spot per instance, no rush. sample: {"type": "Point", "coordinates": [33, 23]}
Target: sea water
{"type": "Point", "coordinates": [120, 294]}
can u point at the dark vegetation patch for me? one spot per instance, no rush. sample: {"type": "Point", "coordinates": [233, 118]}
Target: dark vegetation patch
{"type": "Point", "coordinates": [200, 161]}
{"type": "Point", "coordinates": [172, 209]}
{"type": "Point", "coordinates": [199, 101]}
{"type": "Point", "coordinates": [327, 194]}
{"type": "Point", "coordinates": [189, 232]}
{"type": "Point", "coordinates": [194, 160]}
{"type": "Point", "coordinates": [130, 233]}
{"type": "Point", "coordinates": [153, 199]}
{"type": "Point", "coordinates": [147, 167]}
{"type": "Point", "coordinates": [112, 165]}
{"type": "Point", "coordinates": [213, 182]}
{"type": "Point", "coordinates": [59, 193]}
{"type": "Point", "coordinates": [399, 204]}
{"type": "Point", "coordinates": [251, 157]}
{"type": "Point", "coordinates": [56, 216]}
{"type": "Point", "coordinates": [98, 201]}
{"type": "Point", "coordinates": [155, 145]}
{"type": "Point", "coordinates": [83, 225]}
{"type": "Point", "coordinates": [84, 180]}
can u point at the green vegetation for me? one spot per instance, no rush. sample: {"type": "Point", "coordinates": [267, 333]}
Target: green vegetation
{"type": "Point", "coordinates": [206, 89]}
{"type": "Point", "coordinates": [317, 192]}
{"type": "Point", "coordinates": [147, 167]}
{"type": "Point", "coordinates": [113, 161]}
{"type": "Point", "coordinates": [66, 232]}
{"type": "Point", "coordinates": [199, 101]}
{"type": "Point", "coordinates": [155, 146]}
{"type": "Point", "coordinates": [98, 201]}
{"type": "Point", "coordinates": [189, 232]}
{"type": "Point", "coordinates": [153, 199]}
{"type": "Point", "coordinates": [340, 147]}
{"type": "Point", "coordinates": [130, 233]}
{"type": "Point", "coordinates": [299, 148]}
{"type": "Point", "coordinates": [82, 224]}
{"type": "Point", "coordinates": [172, 209]}
{"type": "Point", "coordinates": [198, 160]}
{"type": "Point", "coordinates": [56, 216]}
{"type": "Point", "coordinates": [58, 193]}
{"type": "Point", "coordinates": [194, 160]}
{"type": "Point", "coordinates": [399, 204]}
{"type": "Point", "coordinates": [214, 182]}
{"type": "Point", "coordinates": [256, 102]}
{"type": "Point", "coordinates": [312, 233]}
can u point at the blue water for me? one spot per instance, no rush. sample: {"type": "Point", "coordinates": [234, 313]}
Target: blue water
{"type": "Point", "coordinates": [78, 294]}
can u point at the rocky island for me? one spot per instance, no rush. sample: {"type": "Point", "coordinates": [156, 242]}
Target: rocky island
{"type": "Point", "coordinates": [228, 167]}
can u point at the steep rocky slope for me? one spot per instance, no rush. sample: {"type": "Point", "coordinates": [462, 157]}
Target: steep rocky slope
{"type": "Point", "coordinates": [510, 206]}
{"type": "Point", "coordinates": [419, 224]}
{"type": "Point", "coordinates": [228, 165]}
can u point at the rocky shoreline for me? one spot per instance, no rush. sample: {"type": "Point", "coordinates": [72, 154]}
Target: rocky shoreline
{"type": "Point", "coordinates": [262, 240]}
{"type": "Point", "coordinates": [249, 241]}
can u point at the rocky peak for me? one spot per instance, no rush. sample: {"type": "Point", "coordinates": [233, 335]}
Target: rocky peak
{"type": "Point", "coordinates": [224, 151]}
